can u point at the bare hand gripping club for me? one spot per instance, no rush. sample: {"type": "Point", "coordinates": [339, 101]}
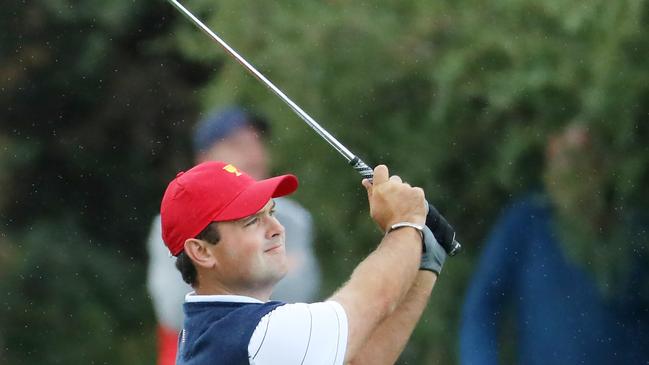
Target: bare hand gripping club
{"type": "Point", "coordinates": [443, 231]}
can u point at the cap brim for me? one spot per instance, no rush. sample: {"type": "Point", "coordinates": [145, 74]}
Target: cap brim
{"type": "Point", "coordinates": [254, 197]}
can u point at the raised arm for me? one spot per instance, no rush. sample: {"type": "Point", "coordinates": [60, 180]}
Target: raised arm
{"type": "Point", "coordinates": [378, 283]}
{"type": "Point", "coordinates": [387, 342]}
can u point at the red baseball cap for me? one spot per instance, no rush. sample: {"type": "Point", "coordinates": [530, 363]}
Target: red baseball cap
{"type": "Point", "coordinates": [214, 192]}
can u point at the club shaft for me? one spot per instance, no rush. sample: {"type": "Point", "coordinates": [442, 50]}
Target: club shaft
{"type": "Point", "coordinates": [443, 231]}
{"type": "Point", "coordinates": [258, 75]}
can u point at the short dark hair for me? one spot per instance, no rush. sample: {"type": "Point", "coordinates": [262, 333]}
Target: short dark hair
{"type": "Point", "coordinates": [185, 265]}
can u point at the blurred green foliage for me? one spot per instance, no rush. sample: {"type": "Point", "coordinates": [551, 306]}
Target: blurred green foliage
{"type": "Point", "coordinates": [97, 100]}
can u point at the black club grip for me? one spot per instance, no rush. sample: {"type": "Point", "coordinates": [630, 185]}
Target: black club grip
{"type": "Point", "coordinates": [442, 230]}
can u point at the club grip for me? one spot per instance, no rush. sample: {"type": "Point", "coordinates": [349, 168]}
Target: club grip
{"type": "Point", "coordinates": [442, 230]}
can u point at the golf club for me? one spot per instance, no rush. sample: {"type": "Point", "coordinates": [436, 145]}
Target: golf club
{"type": "Point", "coordinates": [442, 230]}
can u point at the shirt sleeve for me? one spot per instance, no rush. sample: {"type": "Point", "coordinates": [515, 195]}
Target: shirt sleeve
{"type": "Point", "coordinates": [300, 333]}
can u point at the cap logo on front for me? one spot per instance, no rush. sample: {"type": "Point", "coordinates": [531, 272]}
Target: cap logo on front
{"type": "Point", "coordinates": [231, 169]}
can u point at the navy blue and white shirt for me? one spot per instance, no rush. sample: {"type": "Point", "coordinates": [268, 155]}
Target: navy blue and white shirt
{"type": "Point", "coordinates": [230, 329]}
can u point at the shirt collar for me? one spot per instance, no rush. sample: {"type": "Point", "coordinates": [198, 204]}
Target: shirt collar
{"type": "Point", "coordinates": [195, 298]}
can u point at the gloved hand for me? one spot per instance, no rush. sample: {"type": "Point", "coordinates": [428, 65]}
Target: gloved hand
{"type": "Point", "coordinates": [433, 255]}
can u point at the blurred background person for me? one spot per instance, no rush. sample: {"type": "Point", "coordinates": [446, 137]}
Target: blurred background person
{"type": "Point", "coordinates": [236, 136]}
{"type": "Point", "coordinates": [568, 265]}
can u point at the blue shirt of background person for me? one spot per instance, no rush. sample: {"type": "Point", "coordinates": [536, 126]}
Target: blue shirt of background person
{"type": "Point", "coordinates": [560, 313]}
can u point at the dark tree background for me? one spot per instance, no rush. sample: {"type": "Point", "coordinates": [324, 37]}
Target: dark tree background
{"type": "Point", "coordinates": [97, 100]}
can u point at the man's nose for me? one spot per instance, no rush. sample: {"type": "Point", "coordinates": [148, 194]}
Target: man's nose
{"type": "Point", "coordinates": [275, 228]}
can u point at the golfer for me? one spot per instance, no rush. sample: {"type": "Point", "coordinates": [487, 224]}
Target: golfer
{"type": "Point", "coordinates": [219, 223]}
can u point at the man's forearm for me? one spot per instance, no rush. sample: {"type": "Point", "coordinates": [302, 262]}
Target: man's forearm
{"type": "Point", "coordinates": [374, 291]}
{"type": "Point", "coordinates": [391, 336]}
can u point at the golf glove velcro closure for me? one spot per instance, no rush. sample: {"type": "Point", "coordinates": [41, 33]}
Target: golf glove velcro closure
{"type": "Point", "coordinates": [433, 255]}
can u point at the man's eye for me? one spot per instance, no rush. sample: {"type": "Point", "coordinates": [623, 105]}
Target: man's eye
{"type": "Point", "coordinates": [251, 222]}
{"type": "Point", "coordinates": [272, 212]}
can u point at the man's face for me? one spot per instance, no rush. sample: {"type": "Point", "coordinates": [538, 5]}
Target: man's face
{"type": "Point", "coordinates": [244, 149]}
{"type": "Point", "coordinates": [251, 253]}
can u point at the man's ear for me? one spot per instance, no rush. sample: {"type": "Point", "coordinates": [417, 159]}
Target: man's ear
{"type": "Point", "coordinates": [197, 251]}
